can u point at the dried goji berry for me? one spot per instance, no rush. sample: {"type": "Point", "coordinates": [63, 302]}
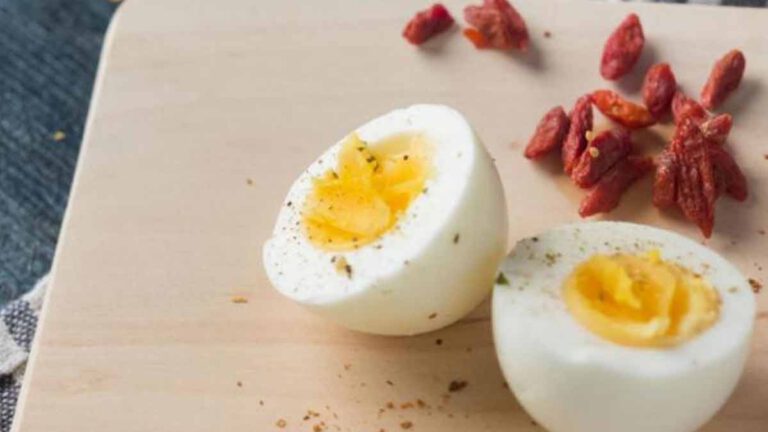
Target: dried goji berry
{"type": "Point", "coordinates": [659, 87]}
{"type": "Point", "coordinates": [606, 194]}
{"type": "Point", "coordinates": [549, 135]}
{"type": "Point", "coordinates": [605, 150]}
{"type": "Point", "coordinates": [427, 23]}
{"type": "Point", "coordinates": [622, 49]}
{"type": "Point", "coordinates": [622, 111]}
{"type": "Point", "coordinates": [696, 184]}
{"type": "Point", "coordinates": [477, 38]}
{"type": "Point", "coordinates": [683, 106]}
{"type": "Point", "coordinates": [717, 128]}
{"type": "Point", "coordinates": [576, 140]}
{"type": "Point", "coordinates": [499, 24]}
{"type": "Point", "coordinates": [729, 173]}
{"type": "Point", "coordinates": [725, 77]}
{"type": "Point", "coordinates": [665, 181]}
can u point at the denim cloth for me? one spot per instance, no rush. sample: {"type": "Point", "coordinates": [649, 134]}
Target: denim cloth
{"type": "Point", "coordinates": [49, 50]}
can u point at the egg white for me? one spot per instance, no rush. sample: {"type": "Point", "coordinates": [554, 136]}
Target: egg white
{"type": "Point", "coordinates": [570, 379]}
{"type": "Point", "coordinates": [433, 267]}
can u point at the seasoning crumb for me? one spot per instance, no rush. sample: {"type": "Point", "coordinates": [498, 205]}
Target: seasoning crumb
{"type": "Point", "coordinates": [438, 342]}
{"type": "Point", "coordinates": [406, 405]}
{"type": "Point", "coordinates": [594, 152]}
{"type": "Point", "coordinates": [249, 181]}
{"type": "Point", "coordinates": [347, 366]}
{"type": "Point", "coordinates": [390, 405]}
{"type": "Point", "coordinates": [239, 300]}
{"type": "Point", "coordinates": [406, 424]}
{"type": "Point", "coordinates": [733, 290]}
{"type": "Point", "coordinates": [239, 383]}
{"type": "Point", "coordinates": [456, 238]}
{"type": "Point", "coordinates": [320, 427]}
{"type": "Point", "coordinates": [761, 231]}
{"type": "Point", "coordinates": [261, 403]}
{"type": "Point", "coordinates": [405, 157]}
{"type": "Point", "coordinates": [457, 385]}
{"type": "Point", "coordinates": [534, 239]}
{"type": "Point", "coordinates": [281, 423]}
{"type": "Point", "coordinates": [765, 156]}
{"type": "Point", "coordinates": [58, 136]}
{"type": "Point", "coordinates": [547, 34]}
{"type": "Point", "coordinates": [501, 279]}
{"type": "Point", "coordinates": [289, 203]}
{"type": "Point", "coordinates": [389, 382]}
{"type": "Point", "coordinates": [342, 265]}
{"type": "Point", "coordinates": [433, 315]}
{"type": "Point", "coordinates": [756, 286]}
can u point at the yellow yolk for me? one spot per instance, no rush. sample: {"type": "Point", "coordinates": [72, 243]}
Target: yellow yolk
{"type": "Point", "coordinates": [369, 190]}
{"type": "Point", "coordinates": [640, 300]}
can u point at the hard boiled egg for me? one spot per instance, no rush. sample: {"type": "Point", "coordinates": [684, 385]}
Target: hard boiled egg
{"type": "Point", "coordinates": [610, 326]}
{"type": "Point", "coordinates": [397, 229]}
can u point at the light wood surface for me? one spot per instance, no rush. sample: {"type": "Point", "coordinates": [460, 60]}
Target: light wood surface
{"type": "Point", "coordinates": [194, 98]}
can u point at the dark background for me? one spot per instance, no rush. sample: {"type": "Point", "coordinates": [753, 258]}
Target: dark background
{"type": "Point", "coordinates": [49, 50]}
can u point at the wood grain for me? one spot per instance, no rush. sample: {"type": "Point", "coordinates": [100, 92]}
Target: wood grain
{"type": "Point", "coordinates": [203, 115]}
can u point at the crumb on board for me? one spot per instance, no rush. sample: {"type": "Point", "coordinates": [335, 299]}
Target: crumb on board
{"type": "Point", "coordinates": [347, 366]}
{"type": "Point", "coordinates": [547, 34]}
{"type": "Point", "coordinates": [389, 382]}
{"type": "Point", "coordinates": [438, 341]}
{"type": "Point", "coordinates": [456, 238]}
{"type": "Point", "coordinates": [756, 286]}
{"type": "Point", "coordinates": [761, 231]}
{"type": "Point", "coordinates": [249, 181]}
{"type": "Point", "coordinates": [281, 423]}
{"type": "Point", "coordinates": [261, 403]}
{"type": "Point", "coordinates": [239, 299]}
{"type": "Point", "coordinates": [406, 424]}
{"type": "Point", "coordinates": [433, 315]}
{"type": "Point", "coordinates": [456, 386]}
{"type": "Point", "coordinates": [239, 383]}
{"type": "Point", "coordinates": [59, 136]}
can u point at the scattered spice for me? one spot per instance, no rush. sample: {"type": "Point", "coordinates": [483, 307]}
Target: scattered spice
{"type": "Point", "coordinates": [433, 315]}
{"type": "Point", "coordinates": [761, 231]}
{"type": "Point", "coordinates": [281, 423]}
{"type": "Point", "coordinates": [261, 403]}
{"type": "Point", "coordinates": [547, 34]}
{"type": "Point", "coordinates": [320, 427]}
{"type": "Point", "coordinates": [389, 382]}
{"type": "Point", "coordinates": [406, 405]}
{"type": "Point", "coordinates": [456, 386]}
{"type": "Point", "coordinates": [390, 405]}
{"type": "Point", "coordinates": [288, 203]}
{"type": "Point", "coordinates": [501, 279]}
{"type": "Point", "coordinates": [239, 383]}
{"type": "Point", "coordinates": [756, 286]}
{"type": "Point", "coordinates": [239, 300]}
{"type": "Point", "coordinates": [406, 424]}
{"type": "Point", "coordinates": [456, 238]}
{"type": "Point", "coordinates": [347, 366]}
{"type": "Point", "coordinates": [58, 136]}
{"type": "Point", "coordinates": [438, 341]}
{"type": "Point", "coordinates": [249, 181]}
{"type": "Point", "coordinates": [342, 265]}
{"type": "Point", "coordinates": [534, 239]}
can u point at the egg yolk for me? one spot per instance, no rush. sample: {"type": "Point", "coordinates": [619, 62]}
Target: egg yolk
{"type": "Point", "coordinates": [640, 300]}
{"type": "Point", "coordinates": [371, 187]}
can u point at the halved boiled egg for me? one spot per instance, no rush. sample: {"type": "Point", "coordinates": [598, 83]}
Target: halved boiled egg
{"type": "Point", "coordinates": [397, 229]}
{"type": "Point", "coordinates": [610, 326]}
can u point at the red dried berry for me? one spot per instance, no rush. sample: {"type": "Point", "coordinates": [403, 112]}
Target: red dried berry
{"type": "Point", "coordinates": [622, 111]}
{"type": "Point", "coordinates": [696, 184]}
{"type": "Point", "coordinates": [725, 78]}
{"type": "Point", "coordinates": [549, 135]}
{"type": "Point", "coordinates": [604, 151]}
{"type": "Point", "coordinates": [427, 23]}
{"type": "Point", "coordinates": [497, 24]}
{"type": "Point", "coordinates": [622, 49]}
{"type": "Point", "coordinates": [683, 106]}
{"type": "Point", "coordinates": [728, 173]}
{"type": "Point", "coordinates": [659, 88]}
{"type": "Point", "coordinates": [576, 140]}
{"type": "Point", "coordinates": [665, 180]}
{"type": "Point", "coordinates": [717, 128]}
{"type": "Point", "coordinates": [605, 196]}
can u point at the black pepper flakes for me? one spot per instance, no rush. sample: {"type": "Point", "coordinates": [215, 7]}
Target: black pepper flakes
{"type": "Point", "coordinates": [501, 279]}
{"type": "Point", "coordinates": [456, 238]}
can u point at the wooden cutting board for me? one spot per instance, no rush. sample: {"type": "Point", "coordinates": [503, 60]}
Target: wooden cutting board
{"type": "Point", "coordinates": [203, 115]}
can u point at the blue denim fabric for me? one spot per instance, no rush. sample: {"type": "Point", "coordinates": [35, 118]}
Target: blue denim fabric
{"type": "Point", "coordinates": [49, 50]}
